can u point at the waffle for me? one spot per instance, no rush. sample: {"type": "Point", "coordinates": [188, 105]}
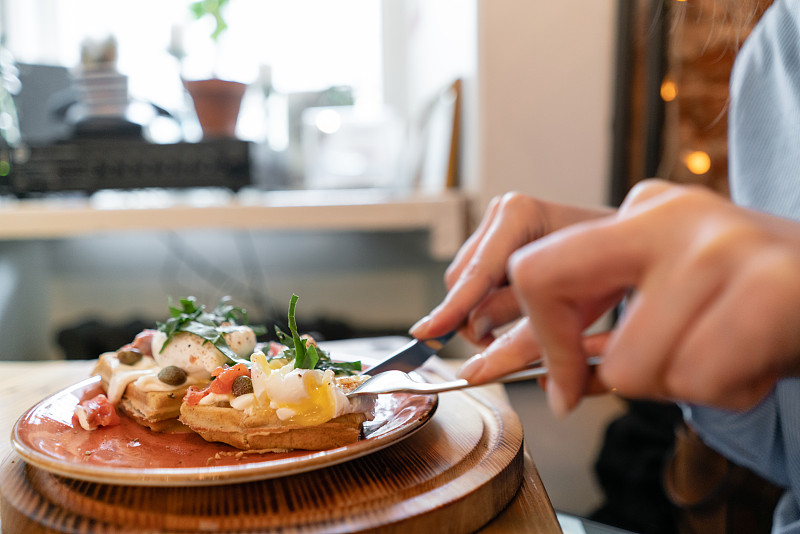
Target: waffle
{"type": "Point", "coordinates": [157, 410]}
{"type": "Point", "coordinates": [265, 431]}
{"type": "Point", "coordinates": [227, 425]}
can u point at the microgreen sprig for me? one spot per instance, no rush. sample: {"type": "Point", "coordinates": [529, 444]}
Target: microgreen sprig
{"type": "Point", "coordinates": [189, 316]}
{"type": "Point", "coordinates": [306, 355]}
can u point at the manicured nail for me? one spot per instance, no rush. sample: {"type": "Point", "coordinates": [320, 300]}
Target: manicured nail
{"type": "Point", "coordinates": [556, 400]}
{"type": "Point", "coordinates": [419, 325]}
{"type": "Point", "coordinates": [481, 327]}
{"type": "Point", "coordinates": [472, 367]}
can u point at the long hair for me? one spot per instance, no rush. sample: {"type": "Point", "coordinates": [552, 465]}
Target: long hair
{"type": "Point", "coordinates": [737, 16]}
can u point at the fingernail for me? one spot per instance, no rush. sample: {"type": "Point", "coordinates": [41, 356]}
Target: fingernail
{"type": "Point", "coordinates": [472, 367]}
{"type": "Point", "coordinates": [481, 327]}
{"type": "Point", "coordinates": [556, 400]}
{"type": "Point", "coordinates": [419, 325]}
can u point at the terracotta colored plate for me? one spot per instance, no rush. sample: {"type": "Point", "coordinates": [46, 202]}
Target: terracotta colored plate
{"type": "Point", "coordinates": [47, 437]}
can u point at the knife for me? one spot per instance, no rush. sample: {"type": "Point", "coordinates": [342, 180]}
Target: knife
{"type": "Point", "coordinates": [411, 356]}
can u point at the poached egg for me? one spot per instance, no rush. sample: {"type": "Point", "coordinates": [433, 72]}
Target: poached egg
{"type": "Point", "coordinates": [305, 397]}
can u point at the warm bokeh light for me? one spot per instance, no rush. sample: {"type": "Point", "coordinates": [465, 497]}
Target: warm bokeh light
{"type": "Point", "coordinates": [669, 90]}
{"type": "Point", "coordinates": [698, 162]}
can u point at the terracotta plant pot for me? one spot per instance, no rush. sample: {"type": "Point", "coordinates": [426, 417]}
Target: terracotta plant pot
{"type": "Point", "coordinates": [216, 103]}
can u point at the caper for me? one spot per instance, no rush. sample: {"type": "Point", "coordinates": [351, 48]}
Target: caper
{"type": "Point", "coordinates": [129, 356]}
{"type": "Point", "coordinates": [242, 385]}
{"type": "Point", "coordinates": [174, 376]}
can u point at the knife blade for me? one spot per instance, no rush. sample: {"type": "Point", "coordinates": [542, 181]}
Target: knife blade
{"type": "Point", "coordinates": [410, 356]}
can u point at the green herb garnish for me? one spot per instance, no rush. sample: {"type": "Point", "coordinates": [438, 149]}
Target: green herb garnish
{"type": "Point", "coordinates": [212, 326]}
{"type": "Point", "coordinates": [308, 356]}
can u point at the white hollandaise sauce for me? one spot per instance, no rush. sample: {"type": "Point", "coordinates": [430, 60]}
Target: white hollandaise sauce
{"type": "Point", "coordinates": [123, 374]}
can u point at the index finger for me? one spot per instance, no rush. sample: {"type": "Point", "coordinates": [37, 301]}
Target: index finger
{"type": "Point", "coordinates": [482, 267]}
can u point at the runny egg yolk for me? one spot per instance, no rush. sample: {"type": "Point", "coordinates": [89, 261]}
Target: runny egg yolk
{"type": "Point", "coordinates": [317, 408]}
{"type": "Point", "coordinates": [298, 397]}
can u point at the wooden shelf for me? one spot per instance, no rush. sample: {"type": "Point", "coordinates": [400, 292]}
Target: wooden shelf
{"type": "Point", "coordinates": [443, 215]}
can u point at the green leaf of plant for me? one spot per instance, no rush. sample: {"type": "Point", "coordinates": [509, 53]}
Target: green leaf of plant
{"type": "Point", "coordinates": [196, 8]}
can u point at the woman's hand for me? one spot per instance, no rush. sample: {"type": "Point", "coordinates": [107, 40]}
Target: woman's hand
{"type": "Point", "coordinates": [713, 315]}
{"type": "Point", "coordinates": [478, 299]}
{"type": "Point", "coordinates": [517, 348]}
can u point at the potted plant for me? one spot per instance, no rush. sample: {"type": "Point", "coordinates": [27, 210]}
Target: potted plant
{"type": "Point", "coordinates": [216, 100]}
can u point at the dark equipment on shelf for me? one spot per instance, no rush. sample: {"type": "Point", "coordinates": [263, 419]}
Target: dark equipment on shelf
{"type": "Point", "coordinates": [129, 163]}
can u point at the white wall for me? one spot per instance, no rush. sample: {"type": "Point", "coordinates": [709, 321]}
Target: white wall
{"type": "Point", "coordinates": [543, 98]}
{"type": "Point", "coordinates": [427, 45]}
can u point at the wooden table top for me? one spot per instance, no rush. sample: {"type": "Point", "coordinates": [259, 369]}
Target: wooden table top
{"type": "Point", "coordinates": [23, 384]}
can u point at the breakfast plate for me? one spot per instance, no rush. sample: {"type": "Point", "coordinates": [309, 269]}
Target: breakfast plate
{"type": "Point", "coordinates": [49, 437]}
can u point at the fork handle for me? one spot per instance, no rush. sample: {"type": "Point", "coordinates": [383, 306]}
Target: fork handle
{"type": "Point", "coordinates": [536, 372]}
{"type": "Point", "coordinates": [518, 376]}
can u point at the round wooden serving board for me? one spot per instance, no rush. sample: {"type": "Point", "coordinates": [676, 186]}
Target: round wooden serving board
{"type": "Point", "coordinates": [454, 475]}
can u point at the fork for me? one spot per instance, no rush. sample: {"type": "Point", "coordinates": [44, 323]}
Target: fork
{"type": "Point", "coordinates": [400, 382]}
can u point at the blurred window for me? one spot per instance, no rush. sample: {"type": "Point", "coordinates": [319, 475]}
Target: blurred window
{"type": "Point", "coordinates": [308, 45]}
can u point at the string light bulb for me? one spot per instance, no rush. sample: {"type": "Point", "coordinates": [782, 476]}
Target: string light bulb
{"type": "Point", "coordinates": [697, 161]}
{"type": "Point", "coordinates": [669, 90]}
